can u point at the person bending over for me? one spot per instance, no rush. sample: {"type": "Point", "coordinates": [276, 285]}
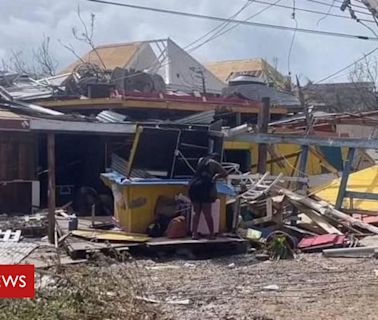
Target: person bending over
{"type": "Point", "coordinates": [203, 191]}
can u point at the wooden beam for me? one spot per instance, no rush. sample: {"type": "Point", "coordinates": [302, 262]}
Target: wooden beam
{"type": "Point", "coordinates": [51, 186]}
{"type": "Point", "coordinates": [273, 138]}
{"type": "Point", "coordinates": [288, 156]}
{"type": "Point", "coordinates": [82, 126]}
{"type": "Point", "coordinates": [344, 178]}
{"type": "Point", "coordinates": [262, 127]}
{"type": "Point", "coordinates": [328, 211]}
{"type": "Point", "coordinates": [318, 219]}
{"type": "Point", "coordinates": [155, 103]}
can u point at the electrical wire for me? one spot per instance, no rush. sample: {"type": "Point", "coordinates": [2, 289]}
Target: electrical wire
{"type": "Point", "coordinates": [367, 27]}
{"type": "Point", "coordinates": [293, 16]}
{"type": "Point", "coordinates": [348, 66]}
{"type": "Point", "coordinates": [339, 1]}
{"type": "Point", "coordinates": [327, 13]}
{"type": "Point", "coordinates": [222, 25]}
{"type": "Point", "coordinates": [249, 23]}
{"type": "Point", "coordinates": [327, 4]}
{"type": "Point", "coordinates": [159, 64]}
{"type": "Point", "coordinates": [217, 35]}
{"type": "Point", "coordinates": [311, 11]}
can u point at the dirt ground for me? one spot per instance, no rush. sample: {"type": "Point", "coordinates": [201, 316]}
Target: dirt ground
{"type": "Point", "coordinates": [239, 287]}
{"type": "Point", "coordinates": [228, 288]}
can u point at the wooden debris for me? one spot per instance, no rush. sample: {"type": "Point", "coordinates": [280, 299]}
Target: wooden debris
{"type": "Point", "coordinates": [320, 221]}
{"type": "Point", "coordinates": [110, 235]}
{"type": "Point", "coordinates": [10, 236]}
{"type": "Point", "coordinates": [328, 211]}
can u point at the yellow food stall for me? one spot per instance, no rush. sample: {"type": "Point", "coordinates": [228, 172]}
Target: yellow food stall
{"type": "Point", "coordinates": [135, 199]}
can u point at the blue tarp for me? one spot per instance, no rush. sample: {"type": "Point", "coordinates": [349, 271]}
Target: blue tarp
{"type": "Point", "coordinates": [119, 179]}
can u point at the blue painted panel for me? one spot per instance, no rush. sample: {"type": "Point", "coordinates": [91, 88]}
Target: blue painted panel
{"type": "Point", "coordinates": [121, 180]}
{"type": "Point", "coordinates": [333, 156]}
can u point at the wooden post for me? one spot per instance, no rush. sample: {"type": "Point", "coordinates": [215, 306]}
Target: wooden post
{"type": "Point", "coordinates": [51, 186]}
{"type": "Point", "coordinates": [344, 178]}
{"type": "Point", "coordinates": [302, 165]}
{"type": "Point", "coordinates": [262, 126]}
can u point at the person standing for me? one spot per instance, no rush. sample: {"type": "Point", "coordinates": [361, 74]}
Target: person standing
{"type": "Point", "coordinates": [203, 192]}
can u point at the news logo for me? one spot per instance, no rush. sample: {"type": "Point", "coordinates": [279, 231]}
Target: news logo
{"type": "Point", "coordinates": [17, 281]}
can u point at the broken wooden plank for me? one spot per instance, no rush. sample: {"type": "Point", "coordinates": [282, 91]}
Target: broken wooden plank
{"type": "Point", "coordinates": [318, 219]}
{"type": "Point", "coordinates": [328, 210]}
{"type": "Point", "coordinates": [322, 223]}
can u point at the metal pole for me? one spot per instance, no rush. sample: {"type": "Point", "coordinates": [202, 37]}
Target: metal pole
{"type": "Point", "coordinates": [302, 165]}
{"type": "Point", "coordinates": [262, 125]}
{"type": "Point", "coordinates": [344, 178]}
{"type": "Point", "coordinates": [51, 186]}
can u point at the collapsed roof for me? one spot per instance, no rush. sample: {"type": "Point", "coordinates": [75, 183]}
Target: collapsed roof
{"type": "Point", "coordinates": [180, 71]}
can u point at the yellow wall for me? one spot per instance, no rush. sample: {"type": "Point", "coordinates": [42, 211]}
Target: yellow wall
{"type": "Point", "coordinates": [365, 181]}
{"type": "Point", "coordinates": [313, 164]}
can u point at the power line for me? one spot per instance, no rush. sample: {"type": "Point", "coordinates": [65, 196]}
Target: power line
{"type": "Point", "coordinates": [327, 13]}
{"type": "Point", "coordinates": [218, 34]}
{"type": "Point", "coordinates": [293, 16]}
{"type": "Point", "coordinates": [161, 64]}
{"type": "Point", "coordinates": [255, 24]}
{"type": "Point", "coordinates": [311, 11]}
{"type": "Point", "coordinates": [327, 4]}
{"type": "Point", "coordinates": [339, 1]}
{"type": "Point", "coordinates": [348, 66]}
{"type": "Point", "coordinates": [220, 26]}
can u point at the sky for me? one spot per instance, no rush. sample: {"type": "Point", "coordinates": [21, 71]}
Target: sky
{"type": "Point", "coordinates": [24, 23]}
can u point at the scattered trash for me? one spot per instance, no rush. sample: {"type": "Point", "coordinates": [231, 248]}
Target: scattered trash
{"type": "Point", "coordinates": [162, 267]}
{"type": "Point", "coordinates": [271, 287]}
{"type": "Point", "coordinates": [189, 265]}
{"type": "Point", "coordinates": [253, 234]}
{"type": "Point", "coordinates": [179, 302]}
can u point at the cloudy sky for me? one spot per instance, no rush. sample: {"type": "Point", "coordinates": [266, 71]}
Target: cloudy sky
{"type": "Point", "coordinates": [23, 23]}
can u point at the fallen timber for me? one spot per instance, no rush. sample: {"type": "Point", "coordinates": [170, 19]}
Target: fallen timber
{"type": "Point", "coordinates": [327, 210]}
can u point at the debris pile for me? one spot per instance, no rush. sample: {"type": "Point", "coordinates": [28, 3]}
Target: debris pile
{"type": "Point", "coordinates": [275, 218]}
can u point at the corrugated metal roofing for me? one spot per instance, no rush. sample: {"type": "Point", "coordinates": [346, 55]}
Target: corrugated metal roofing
{"type": "Point", "coordinates": [256, 92]}
{"type": "Point", "coordinates": [15, 252]}
{"type": "Point", "coordinates": [206, 117]}
{"type": "Point", "coordinates": [25, 88]}
{"type": "Point", "coordinates": [120, 166]}
{"type": "Point", "coordinates": [108, 116]}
